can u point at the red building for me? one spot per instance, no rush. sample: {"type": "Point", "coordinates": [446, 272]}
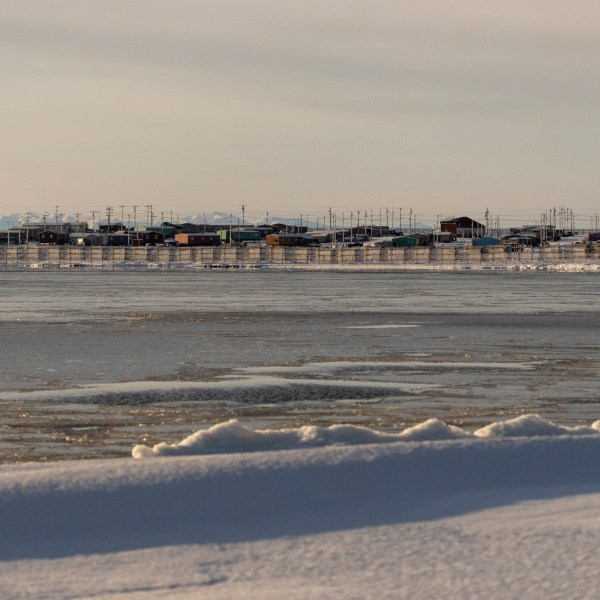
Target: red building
{"type": "Point", "coordinates": [462, 227]}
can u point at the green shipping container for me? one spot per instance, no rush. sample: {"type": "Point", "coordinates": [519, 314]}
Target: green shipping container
{"type": "Point", "coordinates": [240, 235]}
{"type": "Point", "coordinates": [405, 241]}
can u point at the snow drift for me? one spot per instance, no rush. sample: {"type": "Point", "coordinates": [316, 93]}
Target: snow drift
{"type": "Point", "coordinates": [61, 509]}
{"type": "Point", "coordinates": [507, 511]}
{"type": "Point", "coordinates": [232, 436]}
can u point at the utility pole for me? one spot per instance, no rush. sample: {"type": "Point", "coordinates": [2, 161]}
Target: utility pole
{"type": "Point", "coordinates": [334, 232]}
{"type": "Point", "coordinates": [109, 210]}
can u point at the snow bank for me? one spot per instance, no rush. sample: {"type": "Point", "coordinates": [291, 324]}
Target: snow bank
{"type": "Point", "coordinates": [357, 478]}
{"type": "Point", "coordinates": [232, 436]}
{"type": "Point", "coordinates": [365, 515]}
{"type": "Point", "coordinates": [533, 425]}
{"type": "Point", "coordinates": [592, 265]}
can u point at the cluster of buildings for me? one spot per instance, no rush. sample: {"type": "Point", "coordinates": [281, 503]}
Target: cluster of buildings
{"type": "Point", "coordinates": [277, 234]}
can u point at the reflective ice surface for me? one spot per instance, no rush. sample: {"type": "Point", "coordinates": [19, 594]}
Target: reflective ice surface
{"type": "Point", "coordinates": [92, 363]}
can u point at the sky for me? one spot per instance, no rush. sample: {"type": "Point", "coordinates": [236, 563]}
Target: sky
{"type": "Point", "coordinates": [508, 511]}
{"type": "Point", "coordinates": [293, 108]}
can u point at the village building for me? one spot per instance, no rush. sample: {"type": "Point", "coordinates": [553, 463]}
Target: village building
{"type": "Point", "coordinates": [147, 238]}
{"type": "Point", "coordinates": [288, 239]}
{"type": "Point", "coordinates": [53, 237]}
{"type": "Point", "coordinates": [85, 239]}
{"type": "Point", "coordinates": [239, 235]}
{"type": "Point", "coordinates": [463, 227]}
{"type": "Point", "coordinates": [197, 239]}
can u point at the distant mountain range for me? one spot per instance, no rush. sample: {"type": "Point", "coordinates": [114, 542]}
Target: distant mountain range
{"type": "Point", "coordinates": [212, 218]}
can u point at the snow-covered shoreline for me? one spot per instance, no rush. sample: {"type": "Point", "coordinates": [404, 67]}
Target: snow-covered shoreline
{"type": "Point", "coordinates": [484, 266]}
{"type": "Point", "coordinates": [497, 516]}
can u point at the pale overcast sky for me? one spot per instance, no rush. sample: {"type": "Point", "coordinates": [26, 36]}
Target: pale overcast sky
{"type": "Point", "coordinates": [447, 108]}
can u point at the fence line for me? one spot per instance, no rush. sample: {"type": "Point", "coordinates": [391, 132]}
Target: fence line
{"type": "Point", "coordinates": [110, 257]}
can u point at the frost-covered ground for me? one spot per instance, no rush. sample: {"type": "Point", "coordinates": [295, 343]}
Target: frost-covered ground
{"type": "Point", "coordinates": [508, 511]}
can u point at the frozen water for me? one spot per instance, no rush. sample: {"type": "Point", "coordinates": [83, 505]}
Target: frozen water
{"type": "Point", "coordinates": [92, 363]}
